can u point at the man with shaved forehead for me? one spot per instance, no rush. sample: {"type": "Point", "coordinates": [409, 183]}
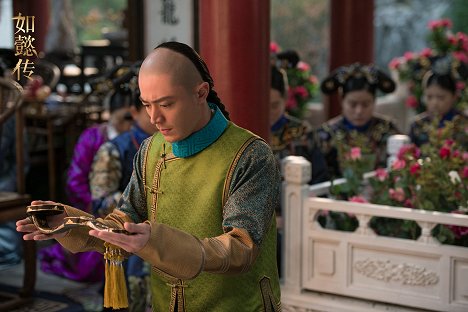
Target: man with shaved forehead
{"type": "Point", "coordinates": [201, 200]}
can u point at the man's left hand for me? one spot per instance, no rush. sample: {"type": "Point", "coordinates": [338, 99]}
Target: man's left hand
{"type": "Point", "coordinates": [130, 243]}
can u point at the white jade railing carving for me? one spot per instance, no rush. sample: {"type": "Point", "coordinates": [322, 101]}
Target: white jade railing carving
{"type": "Point", "coordinates": [319, 262]}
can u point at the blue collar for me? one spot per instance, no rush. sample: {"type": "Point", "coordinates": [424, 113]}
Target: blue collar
{"type": "Point", "coordinates": [198, 141]}
{"type": "Point", "coordinates": [138, 133]}
{"type": "Point", "coordinates": [349, 126]}
{"type": "Point", "coordinates": [279, 123]}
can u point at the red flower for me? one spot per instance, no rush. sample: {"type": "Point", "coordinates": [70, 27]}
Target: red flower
{"type": "Point", "coordinates": [465, 172]}
{"type": "Point", "coordinates": [411, 101]}
{"type": "Point", "coordinates": [444, 152]}
{"type": "Point", "coordinates": [408, 203]}
{"type": "Point", "coordinates": [301, 91]}
{"type": "Point", "coordinates": [440, 23]}
{"type": "Point", "coordinates": [415, 168]}
{"type": "Point", "coordinates": [459, 231]}
{"type": "Point", "coordinates": [449, 142]}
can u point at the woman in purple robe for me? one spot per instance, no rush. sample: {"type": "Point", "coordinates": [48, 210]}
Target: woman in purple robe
{"type": "Point", "coordinates": [86, 266]}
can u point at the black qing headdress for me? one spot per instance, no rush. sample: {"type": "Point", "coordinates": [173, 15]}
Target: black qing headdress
{"type": "Point", "coordinates": [344, 77]}
{"type": "Point", "coordinates": [446, 65]}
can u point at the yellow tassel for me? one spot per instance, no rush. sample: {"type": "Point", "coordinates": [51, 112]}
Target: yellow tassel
{"type": "Point", "coordinates": [115, 289]}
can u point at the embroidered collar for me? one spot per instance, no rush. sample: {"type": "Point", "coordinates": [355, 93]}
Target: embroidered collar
{"type": "Point", "coordinates": [349, 126]}
{"type": "Point", "coordinates": [198, 141]}
{"type": "Point", "coordinates": [448, 117]}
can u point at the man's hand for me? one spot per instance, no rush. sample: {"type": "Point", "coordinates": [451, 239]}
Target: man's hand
{"type": "Point", "coordinates": [130, 243]}
{"type": "Point", "coordinates": [33, 233]}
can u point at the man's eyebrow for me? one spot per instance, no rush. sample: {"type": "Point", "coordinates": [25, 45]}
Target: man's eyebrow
{"type": "Point", "coordinates": [164, 98]}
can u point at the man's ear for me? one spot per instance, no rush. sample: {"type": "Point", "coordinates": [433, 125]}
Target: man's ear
{"type": "Point", "coordinates": [203, 90]}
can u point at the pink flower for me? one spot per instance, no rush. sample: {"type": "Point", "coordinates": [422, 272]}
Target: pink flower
{"type": "Point", "coordinates": [355, 153]}
{"type": "Point", "coordinates": [381, 174]}
{"type": "Point", "coordinates": [465, 156]}
{"type": "Point", "coordinates": [303, 66]}
{"type": "Point", "coordinates": [426, 52]}
{"type": "Point", "coordinates": [409, 150]}
{"type": "Point", "coordinates": [460, 85]}
{"type": "Point", "coordinates": [313, 79]}
{"type": "Point", "coordinates": [409, 55]}
{"type": "Point", "coordinates": [463, 39]}
{"type": "Point", "coordinates": [395, 63]}
{"type": "Point", "coordinates": [398, 164]}
{"type": "Point", "coordinates": [452, 39]}
{"type": "Point", "coordinates": [411, 101]}
{"type": "Point", "coordinates": [440, 23]}
{"type": "Point", "coordinates": [274, 47]}
{"type": "Point", "coordinates": [432, 25]}
{"type": "Point", "coordinates": [358, 199]}
{"type": "Point", "coordinates": [415, 168]}
{"type": "Point", "coordinates": [444, 152]}
{"type": "Point", "coordinates": [461, 56]}
{"type": "Point", "coordinates": [446, 23]}
{"type": "Point", "coordinates": [397, 194]}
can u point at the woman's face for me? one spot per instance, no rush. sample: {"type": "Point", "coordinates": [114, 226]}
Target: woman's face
{"type": "Point", "coordinates": [277, 106]}
{"type": "Point", "coordinates": [358, 107]}
{"type": "Point", "coordinates": [438, 100]}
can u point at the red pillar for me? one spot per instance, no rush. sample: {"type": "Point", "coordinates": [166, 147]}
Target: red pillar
{"type": "Point", "coordinates": [234, 42]}
{"type": "Point", "coordinates": [41, 11]}
{"type": "Point", "coordinates": [352, 37]}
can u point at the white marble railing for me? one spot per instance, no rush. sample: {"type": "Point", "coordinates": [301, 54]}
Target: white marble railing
{"type": "Point", "coordinates": [328, 270]}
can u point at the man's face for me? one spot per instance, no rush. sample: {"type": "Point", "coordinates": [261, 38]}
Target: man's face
{"type": "Point", "coordinates": [174, 110]}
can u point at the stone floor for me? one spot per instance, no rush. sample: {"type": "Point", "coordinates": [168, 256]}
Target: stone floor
{"type": "Point", "coordinates": [78, 296]}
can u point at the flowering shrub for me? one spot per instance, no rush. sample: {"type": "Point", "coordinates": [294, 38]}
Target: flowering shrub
{"type": "Point", "coordinates": [355, 158]}
{"type": "Point", "coordinates": [412, 66]}
{"type": "Point", "coordinates": [303, 86]}
{"type": "Point", "coordinates": [433, 177]}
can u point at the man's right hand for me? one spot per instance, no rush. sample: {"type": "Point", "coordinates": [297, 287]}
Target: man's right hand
{"type": "Point", "coordinates": [33, 233]}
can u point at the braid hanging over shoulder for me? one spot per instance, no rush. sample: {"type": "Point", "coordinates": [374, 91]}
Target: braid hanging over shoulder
{"type": "Point", "coordinates": [195, 58]}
